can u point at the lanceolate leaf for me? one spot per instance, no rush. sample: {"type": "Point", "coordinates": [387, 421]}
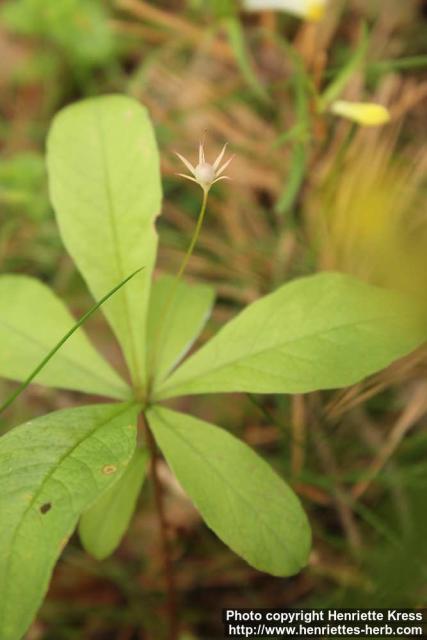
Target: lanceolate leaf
{"type": "Point", "coordinates": [51, 470]}
{"type": "Point", "coordinates": [178, 313]}
{"type": "Point", "coordinates": [32, 321]}
{"type": "Point", "coordinates": [239, 496]}
{"type": "Point", "coordinates": [105, 187]}
{"type": "Point", "coordinates": [320, 332]}
{"type": "Point", "coordinates": [103, 525]}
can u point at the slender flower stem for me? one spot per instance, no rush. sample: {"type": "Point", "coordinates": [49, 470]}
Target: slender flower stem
{"type": "Point", "coordinates": [156, 353]}
{"type": "Point", "coordinates": [171, 605]}
{"type": "Point", "coordinates": [194, 238]}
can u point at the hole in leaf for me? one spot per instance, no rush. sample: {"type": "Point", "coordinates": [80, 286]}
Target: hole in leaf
{"type": "Point", "coordinates": [47, 506]}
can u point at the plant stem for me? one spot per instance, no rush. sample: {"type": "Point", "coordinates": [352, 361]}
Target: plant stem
{"type": "Point", "coordinates": [172, 612]}
{"type": "Point", "coordinates": [151, 444]}
{"type": "Point", "coordinates": [166, 307]}
{"type": "Point", "coordinates": [194, 238]}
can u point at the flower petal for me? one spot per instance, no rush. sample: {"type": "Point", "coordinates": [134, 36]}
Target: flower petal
{"type": "Point", "coordinates": [183, 175]}
{"type": "Point", "coordinates": [367, 114]}
{"type": "Point", "coordinates": [221, 178]}
{"type": "Point", "coordinates": [307, 9]}
{"type": "Point", "coordinates": [224, 166]}
{"type": "Point", "coordinates": [186, 162]}
{"type": "Point", "coordinates": [220, 157]}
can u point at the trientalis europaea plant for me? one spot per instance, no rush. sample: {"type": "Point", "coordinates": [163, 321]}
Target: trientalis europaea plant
{"type": "Point", "coordinates": [84, 467]}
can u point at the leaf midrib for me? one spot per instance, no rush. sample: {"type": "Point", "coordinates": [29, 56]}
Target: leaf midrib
{"type": "Point", "coordinates": [226, 483]}
{"type": "Point", "coordinates": [63, 356]}
{"type": "Point", "coordinates": [167, 388]}
{"type": "Point", "coordinates": [46, 479]}
{"type": "Point", "coordinates": [135, 366]}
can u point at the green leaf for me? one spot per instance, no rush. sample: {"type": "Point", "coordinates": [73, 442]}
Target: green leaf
{"type": "Point", "coordinates": [238, 494]}
{"type": "Point", "coordinates": [170, 337]}
{"type": "Point", "coordinates": [103, 525]}
{"type": "Point", "coordinates": [52, 469]}
{"type": "Point", "coordinates": [105, 187]}
{"type": "Point", "coordinates": [32, 321]}
{"type": "Point", "coordinates": [321, 332]}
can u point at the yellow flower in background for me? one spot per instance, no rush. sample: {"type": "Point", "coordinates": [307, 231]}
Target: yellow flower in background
{"type": "Point", "coordinates": [316, 10]}
{"type": "Point", "coordinates": [307, 9]}
{"type": "Point", "coordinates": [367, 114]}
{"type": "Point", "coordinates": [367, 215]}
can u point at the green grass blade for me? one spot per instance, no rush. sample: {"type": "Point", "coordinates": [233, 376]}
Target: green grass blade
{"type": "Point", "coordinates": [298, 166]}
{"type": "Point", "coordinates": [336, 87]}
{"type": "Point", "coordinates": [295, 179]}
{"type": "Point", "coordinates": [241, 54]}
{"type": "Point", "coordinates": [409, 63]}
{"type": "Point", "coordinates": [63, 340]}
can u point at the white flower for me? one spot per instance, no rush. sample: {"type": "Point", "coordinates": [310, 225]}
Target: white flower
{"type": "Point", "coordinates": [204, 173]}
{"type": "Point", "coordinates": [367, 114]}
{"type": "Point", "coordinates": [307, 9]}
